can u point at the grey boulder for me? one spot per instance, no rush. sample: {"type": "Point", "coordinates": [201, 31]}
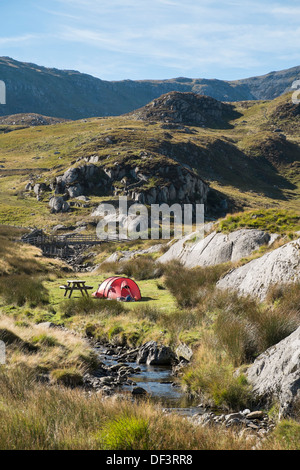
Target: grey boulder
{"type": "Point", "coordinates": [280, 266]}
{"type": "Point", "coordinates": [215, 248]}
{"type": "Point", "coordinates": [276, 373]}
{"type": "Point", "coordinates": [153, 354]}
{"type": "Point", "coordinates": [58, 204]}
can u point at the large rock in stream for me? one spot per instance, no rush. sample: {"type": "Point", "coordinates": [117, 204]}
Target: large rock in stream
{"type": "Point", "coordinates": [153, 354]}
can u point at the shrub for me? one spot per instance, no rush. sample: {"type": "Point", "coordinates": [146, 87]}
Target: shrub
{"type": "Point", "coordinates": [237, 337]}
{"type": "Point", "coordinates": [235, 325]}
{"type": "Point", "coordinates": [211, 375]}
{"type": "Point", "coordinates": [274, 326]}
{"type": "Point", "coordinates": [45, 340]}
{"type": "Point", "coordinates": [148, 312]}
{"type": "Point", "coordinates": [246, 328]}
{"type": "Point", "coordinates": [115, 331]}
{"type": "Point", "coordinates": [286, 297]}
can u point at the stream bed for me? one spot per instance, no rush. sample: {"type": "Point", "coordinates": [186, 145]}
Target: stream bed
{"type": "Point", "coordinates": [122, 373]}
{"type": "Point", "coordinates": [159, 383]}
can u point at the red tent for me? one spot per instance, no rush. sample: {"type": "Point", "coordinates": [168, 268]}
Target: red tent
{"type": "Point", "coordinates": [116, 287]}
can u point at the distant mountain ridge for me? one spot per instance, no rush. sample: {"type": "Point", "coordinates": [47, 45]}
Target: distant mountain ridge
{"type": "Point", "coordinates": [70, 94]}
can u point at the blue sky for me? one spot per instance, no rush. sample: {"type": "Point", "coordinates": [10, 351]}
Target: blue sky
{"type": "Point", "coordinates": [153, 39]}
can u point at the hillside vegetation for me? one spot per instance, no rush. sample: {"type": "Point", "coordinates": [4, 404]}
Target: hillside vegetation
{"type": "Point", "coordinates": [248, 161]}
{"type": "Point", "coordinates": [251, 166]}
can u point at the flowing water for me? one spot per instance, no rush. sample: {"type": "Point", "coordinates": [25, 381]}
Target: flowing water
{"type": "Point", "coordinates": [158, 381]}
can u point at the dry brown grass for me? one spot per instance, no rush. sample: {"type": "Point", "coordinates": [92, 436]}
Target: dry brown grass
{"type": "Point", "coordinates": [35, 416]}
{"type": "Point", "coordinates": [21, 258]}
{"type": "Point", "coordinates": [54, 348]}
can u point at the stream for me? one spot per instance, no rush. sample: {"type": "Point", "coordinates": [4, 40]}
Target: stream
{"type": "Point", "coordinates": [158, 382]}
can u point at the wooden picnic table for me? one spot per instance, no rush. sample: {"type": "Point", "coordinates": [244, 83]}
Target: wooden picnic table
{"type": "Point", "coordinates": [76, 284]}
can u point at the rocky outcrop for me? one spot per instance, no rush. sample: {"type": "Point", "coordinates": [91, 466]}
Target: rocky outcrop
{"type": "Point", "coordinates": [180, 185]}
{"type": "Point", "coordinates": [121, 256]}
{"type": "Point", "coordinates": [275, 375]}
{"type": "Point", "coordinates": [186, 108]}
{"type": "Point", "coordinates": [280, 266]}
{"type": "Point", "coordinates": [175, 182]}
{"type": "Point", "coordinates": [215, 248]}
{"type": "Point", "coordinates": [29, 120]}
{"type": "Point", "coordinates": [80, 180]}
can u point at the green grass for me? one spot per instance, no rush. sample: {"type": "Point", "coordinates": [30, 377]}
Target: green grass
{"type": "Point", "coordinates": [247, 178]}
{"type": "Point", "coordinates": [125, 432]}
{"type": "Point", "coordinates": [270, 220]}
{"type": "Point", "coordinates": [151, 294]}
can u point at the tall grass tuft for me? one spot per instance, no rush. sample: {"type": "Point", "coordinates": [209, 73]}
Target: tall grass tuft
{"type": "Point", "coordinates": [90, 306]}
{"type": "Point", "coordinates": [23, 289]}
{"type": "Point", "coordinates": [191, 286]}
{"type": "Point", "coordinates": [211, 375]}
{"type": "Point", "coordinates": [140, 268]}
{"type": "Point", "coordinates": [126, 432]}
{"type": "Point", "coordinates": [245, 328]}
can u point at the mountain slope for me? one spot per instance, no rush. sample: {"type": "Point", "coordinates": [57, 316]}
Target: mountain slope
{"type": "Point", "coordinates": [247, 161]}
{"type": "Point", "coordinates": [74, 95]}
{"type": "Point", "coordinates": [271, 85]}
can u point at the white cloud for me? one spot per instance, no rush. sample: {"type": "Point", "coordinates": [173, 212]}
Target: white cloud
{"type": "Point", "coordinates": [8, 41]}
{"type": "Point", "coordinates": [194, 37]}
{"type": "Point", "coordinates": [292, 12]}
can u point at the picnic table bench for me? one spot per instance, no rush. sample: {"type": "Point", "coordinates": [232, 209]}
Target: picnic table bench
{"type": "Point", "coordinates": [76, 284]}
